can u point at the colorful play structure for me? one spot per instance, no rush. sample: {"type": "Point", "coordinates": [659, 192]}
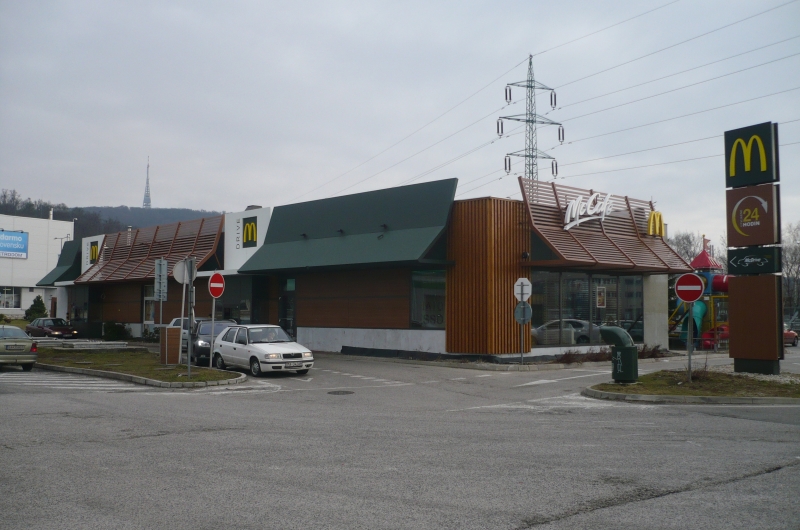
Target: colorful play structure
{"type": "Point", "coordinates": [710, 314]}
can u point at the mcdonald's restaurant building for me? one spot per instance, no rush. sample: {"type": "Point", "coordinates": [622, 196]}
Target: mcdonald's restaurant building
{"type": "Point", "coordinates": [407, 268]}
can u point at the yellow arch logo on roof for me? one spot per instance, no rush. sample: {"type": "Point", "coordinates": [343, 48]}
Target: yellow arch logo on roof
{"type": "Point", "coordinates": [655, 224]}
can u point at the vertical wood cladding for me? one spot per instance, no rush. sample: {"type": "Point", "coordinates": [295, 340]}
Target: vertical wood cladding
{"type": "Point", "coordinates": [369, 298]}
{"type": "Point", "coordinates": [122, 302]}
{"type": "Point", "coordinates": [486, 239]}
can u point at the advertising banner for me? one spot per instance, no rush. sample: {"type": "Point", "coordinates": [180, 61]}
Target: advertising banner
{"type": "Point", "coordinates": [14, 245]}
{"type": "Point", "coordinates": [751, 155]}
{"type": "Point", "coordinates": [752, 216]}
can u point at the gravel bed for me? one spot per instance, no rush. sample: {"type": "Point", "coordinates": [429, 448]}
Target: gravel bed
{"type": "Point", "coordinates": [782, 378]}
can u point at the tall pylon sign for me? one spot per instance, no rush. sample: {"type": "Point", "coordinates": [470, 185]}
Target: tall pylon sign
{"type": "Point", "coordinates": [531, 153]}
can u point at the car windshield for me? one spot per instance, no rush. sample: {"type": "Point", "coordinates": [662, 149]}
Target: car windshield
{"type": "Point", "coordinates": [58, 322]}
{"type": "Point", "coordinates": [219, 327]}
{"type": "Point", "coordinates": [268, 334]}
{"type": "Point", "coordinates": [13, 333]}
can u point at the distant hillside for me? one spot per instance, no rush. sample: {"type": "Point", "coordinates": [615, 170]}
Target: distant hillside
{"type": "Point", "coordinates": [141, 217]}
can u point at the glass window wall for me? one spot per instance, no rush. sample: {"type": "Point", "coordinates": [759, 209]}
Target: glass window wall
{"type": "Point", "coordinates": [10, 297]}
{"type": "Point", "coordinates": [569, 307]}
{"type": "Point", "coordinates": [428, 299]}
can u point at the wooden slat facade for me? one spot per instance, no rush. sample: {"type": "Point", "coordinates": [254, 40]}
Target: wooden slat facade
{"type": "Point", "coordinates": [486, 238]}
{"type": "Point", "coordinates": [368, 298]}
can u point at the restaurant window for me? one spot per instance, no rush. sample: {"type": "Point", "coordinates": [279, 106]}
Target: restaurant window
{"type": "Point", "coordinates": [569, 307]}
{"type": "Point", "coordinates": [428, 299]}
{"type": "Point", "coordinates": [10, 297]}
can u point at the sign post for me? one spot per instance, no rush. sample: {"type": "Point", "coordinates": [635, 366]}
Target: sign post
{"type": "Point", "coordinates": [522, 312]}
{"type": "Point", "coordinates": [689, 288]}
{"type": "Point", "coordinates": [216, 286]}
{"type": "Point", "coordinates": [185, 272]}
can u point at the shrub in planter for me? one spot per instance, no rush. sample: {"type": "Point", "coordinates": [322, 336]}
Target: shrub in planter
{"type": "Point", "coordinates": [116, 331]}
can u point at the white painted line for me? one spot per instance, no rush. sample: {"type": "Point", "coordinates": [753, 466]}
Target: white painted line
{"type": "Point", "coordinates": [305, 380]}
{"type": "Point", "coordinates": [457, 379]}
{"type": "Point", "coordinates": [485, 375]}
{"type": "Point", "coordinates": [562, 379]}
{"type": "Point", "coordinates": [426, 382]}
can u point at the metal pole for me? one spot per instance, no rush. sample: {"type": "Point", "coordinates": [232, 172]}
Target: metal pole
{"type": "Point", "coordinates": [690, 338]}
{"type": "Point", "coordinates": [213, 335]}
{"type": "Point", "coordinates": [189, 331]}
{"type": "Point", "coordinates": [180, 340]}
{"type": "Point", "coordinates": [521, 345]}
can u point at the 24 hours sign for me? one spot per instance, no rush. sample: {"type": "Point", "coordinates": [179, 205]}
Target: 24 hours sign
{"type": "Point", "coordinates": [752, 214]}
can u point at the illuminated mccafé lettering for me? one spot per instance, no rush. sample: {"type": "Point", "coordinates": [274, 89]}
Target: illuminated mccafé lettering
{"type": "Point", "coordinates": [579, 211]}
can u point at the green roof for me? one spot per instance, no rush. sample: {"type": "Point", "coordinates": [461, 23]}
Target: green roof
{"type": "Point", "coordinates": [391, 226]}
{"type": "Point", "coordinates": [68, 267]}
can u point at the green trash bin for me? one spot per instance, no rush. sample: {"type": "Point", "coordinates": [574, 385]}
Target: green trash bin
{"type": "Point", "coordinates": [624, 355]}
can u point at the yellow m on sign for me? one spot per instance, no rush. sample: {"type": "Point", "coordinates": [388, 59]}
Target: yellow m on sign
{"type": "Point", "coordinates": [746, 150]}
{"type": "Point", "coordinates": [249, 233]}
{"type": "Point", "coordinates": [655, 224]}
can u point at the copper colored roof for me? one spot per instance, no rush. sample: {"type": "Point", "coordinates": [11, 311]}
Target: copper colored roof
{"type": "Point", "coordinates": [620, 241]}
{"type": "Point", "coordinates": [131, 255]}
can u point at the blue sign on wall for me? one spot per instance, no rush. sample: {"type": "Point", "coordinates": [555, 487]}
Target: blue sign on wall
{"type": "Point", "coordinates": [14, 245]}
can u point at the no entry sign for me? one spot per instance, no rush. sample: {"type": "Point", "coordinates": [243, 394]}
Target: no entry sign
{"type": "Point", "coordinates": [216, 285]}
{"type": "Point", "coordinates": [689, 287]}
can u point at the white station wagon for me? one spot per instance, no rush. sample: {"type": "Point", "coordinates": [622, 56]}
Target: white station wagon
{"type": "Point", "coordinates": [261, 348]}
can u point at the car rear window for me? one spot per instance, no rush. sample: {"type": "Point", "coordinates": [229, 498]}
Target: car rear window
{"type": "Point", "coordinates": [13, 333]}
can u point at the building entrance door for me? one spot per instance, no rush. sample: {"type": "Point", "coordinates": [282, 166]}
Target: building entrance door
{"type": "Point", "coordinates": [286, 308]}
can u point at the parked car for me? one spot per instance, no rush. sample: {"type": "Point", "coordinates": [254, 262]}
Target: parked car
{"type": "Point", "coordinates": [201, 339]}
{"type": "Point", "coordinates": [573, 332]}
{"type": "Point", "coordinates": [789, 336]}
{"type": "Point", "coordinates": [707, 337]}
{"type": "Point", "coordinates": [635, 329]}
{"type": "Point", "coordinates": [261, 348]}
{"type": "Point", "coordinates": [56, 328]}
{"type": "Point", "coordinates": [176, 323]}
{"type": "Point", "coordinates": [17, 347]}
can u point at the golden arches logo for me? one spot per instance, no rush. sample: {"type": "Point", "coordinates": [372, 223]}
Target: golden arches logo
{"type": "Point", "coordinates": [746, 152]}
{"type": "Point", "coordinates": [94, 252]}
{"type": "Point", "coordinates": [655, 224]}
{"type": "Point", "coordinates": [249, 233]}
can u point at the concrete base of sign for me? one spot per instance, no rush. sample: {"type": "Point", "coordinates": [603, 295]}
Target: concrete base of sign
{"type": "Point", "coordinates": [332, 339]}
{"type": "Point", "coordinates": [757, 366]}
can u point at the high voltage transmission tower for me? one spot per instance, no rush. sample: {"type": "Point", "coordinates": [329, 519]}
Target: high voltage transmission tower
{"type": "Point", "coordinates": [531, 153]}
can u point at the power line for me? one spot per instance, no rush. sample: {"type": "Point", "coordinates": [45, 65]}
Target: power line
{"type": "Point", "coordinates": [678, 117]}
{"type": "Point", "coordinates": [658, 147]}
{"type": "Point", "coordinates": [679, 43]}
{"type": "Point", "coordinates": [653, 165]}
{"type": "Point", "coordinates": [676, 73]}
{"type": "Point", "coordinates": [680, 88]}
{"type": "Point", "coordinates": [605, 28]}
{"type": "Point", "coordinates": [473, 95]}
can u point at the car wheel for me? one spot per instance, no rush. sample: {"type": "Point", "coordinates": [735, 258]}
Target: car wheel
{"type": "Point", "coordinates": [27, 367]}
{"type": "Point", "coordinates": [255, 367]}
{"type": "Point", "coordinates": [218, 362]}
{"type": "Point", "coordinates": [583, 339]}
{"type": "Point", "coordinates": [302, 372]}
{"type": "Point", "coordinates": [794, 342]}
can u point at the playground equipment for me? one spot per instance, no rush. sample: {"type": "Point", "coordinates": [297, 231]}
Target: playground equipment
{"type": "Point", "coordinates": [710, 314]}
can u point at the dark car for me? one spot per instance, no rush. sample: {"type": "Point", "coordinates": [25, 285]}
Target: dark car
{"type": "Point", "coordinates": [201, 339]}
{"type": "Point", "coordinates": [56, 328]}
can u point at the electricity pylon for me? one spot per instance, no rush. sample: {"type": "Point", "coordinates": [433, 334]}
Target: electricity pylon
{"type": "Point", "coordinates": [531, 153]}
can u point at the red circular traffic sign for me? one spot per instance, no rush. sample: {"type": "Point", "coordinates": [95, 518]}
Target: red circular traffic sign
{"type": "Point", "coordinates": [689, 287]}
{"type": "Point", "coordinates": [216, 285]}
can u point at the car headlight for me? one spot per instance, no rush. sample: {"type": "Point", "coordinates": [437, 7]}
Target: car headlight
{"type": "Point", "coordinates": [202, 343]}
{"type": "Point", "coordinates": [74, 332]}
{"type": "Point", "coordinates": [272, 356]}
{"type": "Point", "coordinates": [55, 333]}
{"type": "Point", "coordinates": [307, 355]}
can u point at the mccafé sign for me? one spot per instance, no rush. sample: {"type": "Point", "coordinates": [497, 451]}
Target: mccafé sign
{"type": "Point", "coordinates": [580, 210]}
{"type": "Point", "coordinates": [751, 155]}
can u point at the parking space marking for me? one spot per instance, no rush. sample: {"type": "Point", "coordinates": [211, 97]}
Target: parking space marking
{"type": "Point", "coordinates": [542, 381]}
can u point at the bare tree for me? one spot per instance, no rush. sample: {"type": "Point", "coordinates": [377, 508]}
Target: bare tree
{"type": "Point", "coordinates": [791, 269]}
{"type": "Point", "coordinates": [687, 244]}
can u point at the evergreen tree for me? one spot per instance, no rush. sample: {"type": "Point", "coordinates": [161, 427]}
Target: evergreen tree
{"type": "Point", "coordinates": [36, 310]}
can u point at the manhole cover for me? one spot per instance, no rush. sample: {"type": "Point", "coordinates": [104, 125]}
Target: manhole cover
{"type": "Point", "coordinates": [340, 392]}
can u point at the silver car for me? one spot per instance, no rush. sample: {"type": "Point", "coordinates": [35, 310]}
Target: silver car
{"type": "Point", "coordinates": [17, 347]}
{"type": "Point", "coordinates": [261, 348]}
{"type": "Point", "coordinates": [573, 331]}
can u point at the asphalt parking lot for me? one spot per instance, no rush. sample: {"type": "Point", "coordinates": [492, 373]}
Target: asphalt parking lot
{"type": "Point", "coordinates": [364, 443]}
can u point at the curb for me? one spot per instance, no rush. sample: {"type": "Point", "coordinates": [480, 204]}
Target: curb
{"type": "Point", "coordinates": [140, 380]}
{"type": "Point", "coordinates": [721, 400]}
{"type": "Point", "coordinates": [489, 367]}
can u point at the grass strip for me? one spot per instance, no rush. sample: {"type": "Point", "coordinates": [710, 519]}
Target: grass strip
{"type": "Point", "coordinates": [704, 383]}
{"type": "Point", "coordinates": [133, 362]}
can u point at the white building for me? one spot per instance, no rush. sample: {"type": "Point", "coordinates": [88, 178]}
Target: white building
{"type": "Point", "coordinates": [29, 249]}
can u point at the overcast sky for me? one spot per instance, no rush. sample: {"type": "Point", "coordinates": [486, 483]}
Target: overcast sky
{"type": "Point", "coordinates": [268, 103]}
